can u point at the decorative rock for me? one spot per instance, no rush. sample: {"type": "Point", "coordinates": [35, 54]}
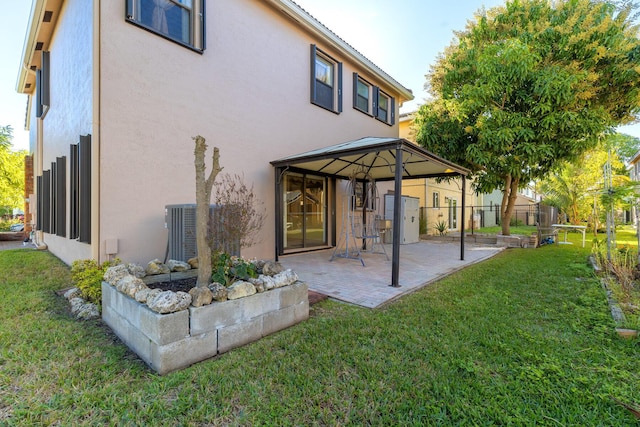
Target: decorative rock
{"type": "Point", "coordinates": [258, 283]}
{"type": "Point", "coordinates": [115, 273]}
{"type": "Point", "coordinates": [175, 265]}
{"type": "Point", "coordinates": [143, 295]}
{"type": "Point", "coordinates": [285, 278]}
{"type": "Point", "coordinates": [240, 289]}
{"type": "Point", "coordinates": [73, 293]}
{"type": "Point", "coordinates": [219, 291]}
{"type": "Point", "coordinates": [83, 310]}
{"type": "Point", "coordinates": [157, 267]}
{"type": "Point", "coordinates": [136, 270]}
{"type": "Point", "coordinates": [169, 302]}
{"type": "Point", "coordinates": [271, 268]}
{"type": "Point", "coordinates": [200, 296]}
{"type": "Point", "coordinates": [193, 262]}
{"type": "Point", "coordinates": [259, 265]}
{"type": "Point", "coordinates": [129, 285]}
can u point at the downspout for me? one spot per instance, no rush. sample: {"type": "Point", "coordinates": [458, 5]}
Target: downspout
{"type": "Point", "coordinates": [95, 137]}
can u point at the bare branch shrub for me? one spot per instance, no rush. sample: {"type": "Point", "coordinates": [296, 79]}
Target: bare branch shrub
{"type": "Point", "coordinates": [239, 215]}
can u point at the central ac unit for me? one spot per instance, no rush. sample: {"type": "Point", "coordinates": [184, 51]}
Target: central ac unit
{"type": "Point", "coordinates": [180, 222]}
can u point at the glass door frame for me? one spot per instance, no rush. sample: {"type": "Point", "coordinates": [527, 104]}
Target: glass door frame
{"type": "Point", "coordinates": [281, 212]}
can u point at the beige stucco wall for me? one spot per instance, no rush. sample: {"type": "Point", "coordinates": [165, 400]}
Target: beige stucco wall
{"type": "Point", "coordinates": [247, 94]}
{"type": "Point", "coordinates": [70, 113]}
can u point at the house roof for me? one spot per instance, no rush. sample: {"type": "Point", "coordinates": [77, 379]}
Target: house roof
{"type": "Point", "coordinates": [374, 156]}
{"type": "Point", "coordinates": [42, 23]}
{"type": "Point", "coordinates": [315, 27]}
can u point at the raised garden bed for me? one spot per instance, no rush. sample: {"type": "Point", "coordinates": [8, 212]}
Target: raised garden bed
{"type": "Point", "coordinates": [168, 342]}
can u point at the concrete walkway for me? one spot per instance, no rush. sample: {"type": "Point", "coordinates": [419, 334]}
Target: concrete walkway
{"type": "Point", "coordinates": [347, 280]}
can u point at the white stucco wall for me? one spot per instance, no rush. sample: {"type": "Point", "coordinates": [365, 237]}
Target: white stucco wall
{"type": "Point", "coordinates": [71, 99]}
{"type": "Point", "coordinates": [248, 94]}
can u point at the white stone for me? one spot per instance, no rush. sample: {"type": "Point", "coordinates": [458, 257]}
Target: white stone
{"type": "Point", "coordinates": [169, 302]}
{"type": "Point", "coordinates": [115, 273]}
{"type": "Point", "coordinates": [157, 267]}
{"type": "Point", "coordinates": [129, 285]}
{"type": "Point", "coordinates": [73, 293]}
{"type": "Point", "coordinates": [175, 265]}
{"type": "Point", "coordinates": [240, 289]}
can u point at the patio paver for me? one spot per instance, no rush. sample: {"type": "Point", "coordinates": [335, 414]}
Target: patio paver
{"type": "Point", "coordinates": [347, 280]}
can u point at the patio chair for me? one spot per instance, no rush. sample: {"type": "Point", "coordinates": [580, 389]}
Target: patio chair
{"type": "Point", "coordinates": [546, 233]}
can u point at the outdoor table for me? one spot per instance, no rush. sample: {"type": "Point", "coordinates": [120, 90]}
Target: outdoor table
{"type": "Point", "coordinates": [567, 227]}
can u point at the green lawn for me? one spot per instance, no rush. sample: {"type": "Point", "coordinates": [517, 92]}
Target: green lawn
{"type": "Point", "coordinates": [524, 338]}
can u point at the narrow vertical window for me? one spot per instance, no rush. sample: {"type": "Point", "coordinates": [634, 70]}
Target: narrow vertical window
{"type": "Point", "coordinates": [361, 94]}
{"type": "Point", "coordinates": [385, 107]}
{"type": "Point", "coordinates": [436, 199]}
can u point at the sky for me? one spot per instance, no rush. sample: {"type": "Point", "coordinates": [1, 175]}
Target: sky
{"type": "Point", "coordinates": [402, 37]}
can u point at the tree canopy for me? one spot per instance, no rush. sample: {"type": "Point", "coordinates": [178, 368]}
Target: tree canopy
{"type": "Point", "coordinates": [11, 172]}
{"type": "Point", "coordinates": [529, 85]}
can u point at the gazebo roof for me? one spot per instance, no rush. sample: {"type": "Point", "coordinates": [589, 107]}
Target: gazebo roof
{"type": "Point", "coordinates": [376, 156]}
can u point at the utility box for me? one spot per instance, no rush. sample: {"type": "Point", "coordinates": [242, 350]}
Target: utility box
{"type": "Point", "coordinates": [409, 217]}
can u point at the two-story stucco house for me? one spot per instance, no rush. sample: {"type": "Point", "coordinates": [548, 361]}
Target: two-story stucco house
{"type": "Point", "coordinates": [117, 89]}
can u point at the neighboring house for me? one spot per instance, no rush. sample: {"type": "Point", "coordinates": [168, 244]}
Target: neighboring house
{"type": "Point", "coordinates": [117, 89]}
{"type": "Point", "coordinates": [439, 200]}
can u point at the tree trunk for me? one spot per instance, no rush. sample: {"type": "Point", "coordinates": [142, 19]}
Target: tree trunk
{"type": "Point", "coordinates": [509, 196]}
{"type": "Point", "coordinates": [203, 199]}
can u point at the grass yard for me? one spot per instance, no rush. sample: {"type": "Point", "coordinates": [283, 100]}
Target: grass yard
{"type": "Point", "coordinates": [524, 338]}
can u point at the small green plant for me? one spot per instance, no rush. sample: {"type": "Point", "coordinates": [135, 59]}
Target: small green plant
{"type": "Point", "coordinates": [441, 227]}
{"type": "Point", "coordinates": [87, 275]}
{"type": "Point", "coordinates": [226, 268]}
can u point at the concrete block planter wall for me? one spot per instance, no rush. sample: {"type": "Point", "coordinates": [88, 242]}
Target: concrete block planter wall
{"type": "Point", "coordinates": [168, 342]}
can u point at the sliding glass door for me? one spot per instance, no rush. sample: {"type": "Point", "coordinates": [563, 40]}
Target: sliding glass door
{"type": "Point", "coordinates": [305, 211]}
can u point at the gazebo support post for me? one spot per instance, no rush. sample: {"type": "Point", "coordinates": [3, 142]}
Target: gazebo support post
{"type": "Point", "coordinates": [464, 193]}
{"type": "Point", "coordinates": [397, 208]}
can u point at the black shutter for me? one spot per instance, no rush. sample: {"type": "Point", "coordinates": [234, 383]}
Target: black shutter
{"type": "Point", "coordinates": [339, 87]}
{"type": "Point", "coordinates": [313, 73]}
{"type": "Point", "coordinates": [38, 93]}
{"type": "Point", "coordinates": [46, 201]}
{"type": "Point", "coordinates": [376, 99]}
{"type": "Point", "coordinates": [393, 111]}
{"type": "Point", "coordinates": [40, 202]}
{"type": "Point", "coordinates": [129, 9]}
{"type": "Point", "coordinates": [355, 89]}
{"type": "Point", "coordinates": [46, 71]}
{"type": "Point", "coordinates": [61, 193]}
{"type": "Point", "coordinates": [84, 174]}
{"type": "Point", "coordinates": [73, 187]}
{"type": "Point", "coordinates": [54, 198]}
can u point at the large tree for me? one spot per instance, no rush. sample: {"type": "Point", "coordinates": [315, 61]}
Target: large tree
{"type": "Point", "coordinates": [11, 173]}
{"type": "Point", "coordinates": [529, 85]}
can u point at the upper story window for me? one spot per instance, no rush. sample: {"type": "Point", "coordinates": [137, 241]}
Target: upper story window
{"type": "Point", "coordinates": [384, 109]}
{"type": "Point", "coordinates": [181, 21]}
{"type": "Point", "coordinates": [326, 81]}
{"type": "Point", "coordinates": [370, 100]}
{"type": "Point", "coordinates": [361, 94]}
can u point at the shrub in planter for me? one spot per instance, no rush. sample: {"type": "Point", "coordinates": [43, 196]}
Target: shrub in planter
{"type": "Point", "coordinates": [87, 275]}
{"type": "Point", "coordinates": [227, 269]}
